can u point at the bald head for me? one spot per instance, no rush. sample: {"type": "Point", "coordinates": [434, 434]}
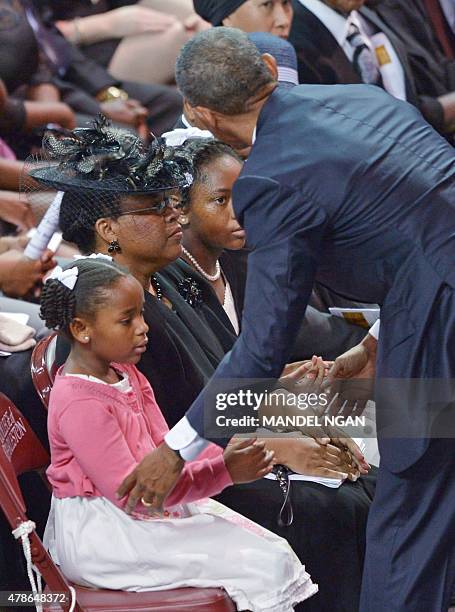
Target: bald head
{"type": "Point", "coordinates": [222, 70]}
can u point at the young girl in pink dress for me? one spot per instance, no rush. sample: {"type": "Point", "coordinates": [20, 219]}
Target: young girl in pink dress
{"type": "Point", "coordinates": [103, 420]}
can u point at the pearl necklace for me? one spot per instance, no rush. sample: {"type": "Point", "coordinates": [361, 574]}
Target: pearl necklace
{"type": "Point", "coordinates": [202, 272]}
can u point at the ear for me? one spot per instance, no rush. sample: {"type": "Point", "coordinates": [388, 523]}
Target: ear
{"type": "Point", "coordinates": [80, 330]}
{"type": "Point", "coordinates": [105, 229]}
{"type": "Point", "coordinates": [206, 117]}
{"type": "Point", "coordinates": [271, 64]}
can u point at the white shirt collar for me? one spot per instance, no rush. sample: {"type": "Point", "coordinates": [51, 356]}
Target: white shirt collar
{"type": "Point", "coordinates": [253, 138]}
{"type": "Point", "coordinates": [336, 24]}
{"type": "Point", "coordinates": [448, 8]}
{"type": "Point", "coordinates": [185, 121]}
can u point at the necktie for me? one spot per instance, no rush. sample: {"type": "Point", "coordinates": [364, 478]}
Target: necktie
{"type": "Point", "coordinates": [55, 48]}
{"type": "Point", "coordinates": [364, 58]}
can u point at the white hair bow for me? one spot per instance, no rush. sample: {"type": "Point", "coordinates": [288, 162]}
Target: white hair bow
{"type": "Point", "coordinates": [179, 136]}
{"type": "Point", "coordinates": [94, 256]}
{"type": "Point", "coordinates": [66, 277]}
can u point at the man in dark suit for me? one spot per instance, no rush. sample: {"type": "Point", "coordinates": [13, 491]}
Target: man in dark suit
{"type": "Point", "coordinates": [320, 36]}
{"type": "Point", "coordinates": [336, 188]}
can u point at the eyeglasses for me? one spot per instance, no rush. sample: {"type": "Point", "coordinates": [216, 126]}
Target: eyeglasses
{"type": "Point", "coordinates": [159, 208]}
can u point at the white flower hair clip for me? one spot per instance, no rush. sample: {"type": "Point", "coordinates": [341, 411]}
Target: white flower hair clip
{"type": "Point", "coordinates": [66, 277]}
{"type": "Point", "coordinates": [178, 137]}
{"type": "Point", "coordinates": [94, 256]}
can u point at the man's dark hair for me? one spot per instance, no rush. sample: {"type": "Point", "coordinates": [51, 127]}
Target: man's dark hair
{"type": "Point", "coordinates": [222, 70]}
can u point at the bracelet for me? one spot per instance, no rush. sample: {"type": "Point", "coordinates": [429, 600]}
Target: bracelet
{"type": "Point", "coordinates": [77, 31]}
{"type": "Point", "coordinates": [111, 93]}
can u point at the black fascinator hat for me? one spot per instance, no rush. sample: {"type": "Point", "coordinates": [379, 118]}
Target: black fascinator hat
{"type": "Point", "coordinates": [108, 159]}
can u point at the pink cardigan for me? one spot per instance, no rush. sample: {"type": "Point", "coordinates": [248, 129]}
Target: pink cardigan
{"type": "Point", "coordinates": [98, 435]}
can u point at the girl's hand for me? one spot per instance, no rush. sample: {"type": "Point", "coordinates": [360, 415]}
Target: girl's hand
{"type": "Point", "coordinates": [248, 460]}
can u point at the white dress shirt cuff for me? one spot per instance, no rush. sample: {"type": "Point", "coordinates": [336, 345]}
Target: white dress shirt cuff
{"type": "Point", "coordinates": [186, 440]}
{"type": "Point", "coordinates": [374, 329]}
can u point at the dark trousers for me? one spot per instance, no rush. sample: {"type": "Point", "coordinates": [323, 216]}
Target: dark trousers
{"type": "Point", "coordinates": [410, 556]}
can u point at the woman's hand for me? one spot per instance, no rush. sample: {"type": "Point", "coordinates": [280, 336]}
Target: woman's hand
{"type": "Point", "coordinates": [17, 243]}
{"type": "Point", "coordinates": [135, 19]}
{"type": "Point", "coordinates": [20, 275]}
{"type": "Point", "coordinates": [314, 457]}
{"type": "Point", "coordinates": [248, 460]}
{"type": "Point", "coordinates": [14, 210]}
{"type": "Point", "coordinates": [304, 376]}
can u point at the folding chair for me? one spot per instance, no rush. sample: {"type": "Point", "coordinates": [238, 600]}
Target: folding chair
{"type": "Point", "coordinates": [43, 367]}
{"type": "Point", "coordinates": [21, 451]}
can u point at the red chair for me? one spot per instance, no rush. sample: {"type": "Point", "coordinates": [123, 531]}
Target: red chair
{"type": "Point", "coordinates": [21, 451]}
{"type": "Point", "coordinates": [43, 367]}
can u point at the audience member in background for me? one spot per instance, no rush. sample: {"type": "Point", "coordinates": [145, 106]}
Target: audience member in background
{"type": "Point", "coordinates": [180, 357]}
{"type": "Point", "coordinates": [441, 14]}
{"type": "Point", "coordinates": [273, 16]}
{"type": "Point", "coordinates": [74, 78]}
{"type": "Point", "coordinates": [136, 41]}
{"type": "Point", "coordinates": [344, 41]}
{"type": "Point", "coordinates": [433, 72]}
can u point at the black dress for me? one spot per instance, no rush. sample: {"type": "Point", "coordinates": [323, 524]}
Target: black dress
{"type": "Point", "coordinates": [320, 333]}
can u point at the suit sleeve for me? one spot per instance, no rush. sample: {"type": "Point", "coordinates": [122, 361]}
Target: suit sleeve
{"type": "Point", "coordinates": [285, 232]}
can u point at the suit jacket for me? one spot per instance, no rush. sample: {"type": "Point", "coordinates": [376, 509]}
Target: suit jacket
{"type": "Point", "coordinates": [323, 61]}
{"type": "Point", "coordinates": [336, 189]}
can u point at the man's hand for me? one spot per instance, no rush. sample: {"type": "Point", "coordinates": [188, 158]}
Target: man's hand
{"type": "Point", "coordinates": [153, 479]}
{"type": "Point", "coordinates": [351, 378]}
{"type": "Point", "coordinates": [248, 460]}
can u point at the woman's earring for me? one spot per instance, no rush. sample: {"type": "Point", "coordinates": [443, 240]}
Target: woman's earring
{"type": "Point", "coordinates": [86, 338]}
{"type": "Point", "coordinates": [114, 247]}
{"type": "Point", "coordinates": [183, 220]}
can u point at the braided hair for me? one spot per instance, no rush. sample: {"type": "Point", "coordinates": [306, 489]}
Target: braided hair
{"type": "Point", "coordinates": [60, 305]}
{"type": "Point", "coordinates": [203, 151]}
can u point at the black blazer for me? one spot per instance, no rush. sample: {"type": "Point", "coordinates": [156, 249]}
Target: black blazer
{"type": "Point", "coordinates": [433, 73]}
{"type": "Point", "coordinates": [322, 61]}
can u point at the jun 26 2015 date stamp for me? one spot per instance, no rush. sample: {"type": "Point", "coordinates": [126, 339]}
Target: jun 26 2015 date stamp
{"type": "Point", "coordinates": [23, 599]}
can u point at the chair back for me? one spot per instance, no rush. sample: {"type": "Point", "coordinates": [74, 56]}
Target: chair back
{"type": "Point", "coordinates": [43, 367]}
{"type": "Point", "coordinates": [20, 452]}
